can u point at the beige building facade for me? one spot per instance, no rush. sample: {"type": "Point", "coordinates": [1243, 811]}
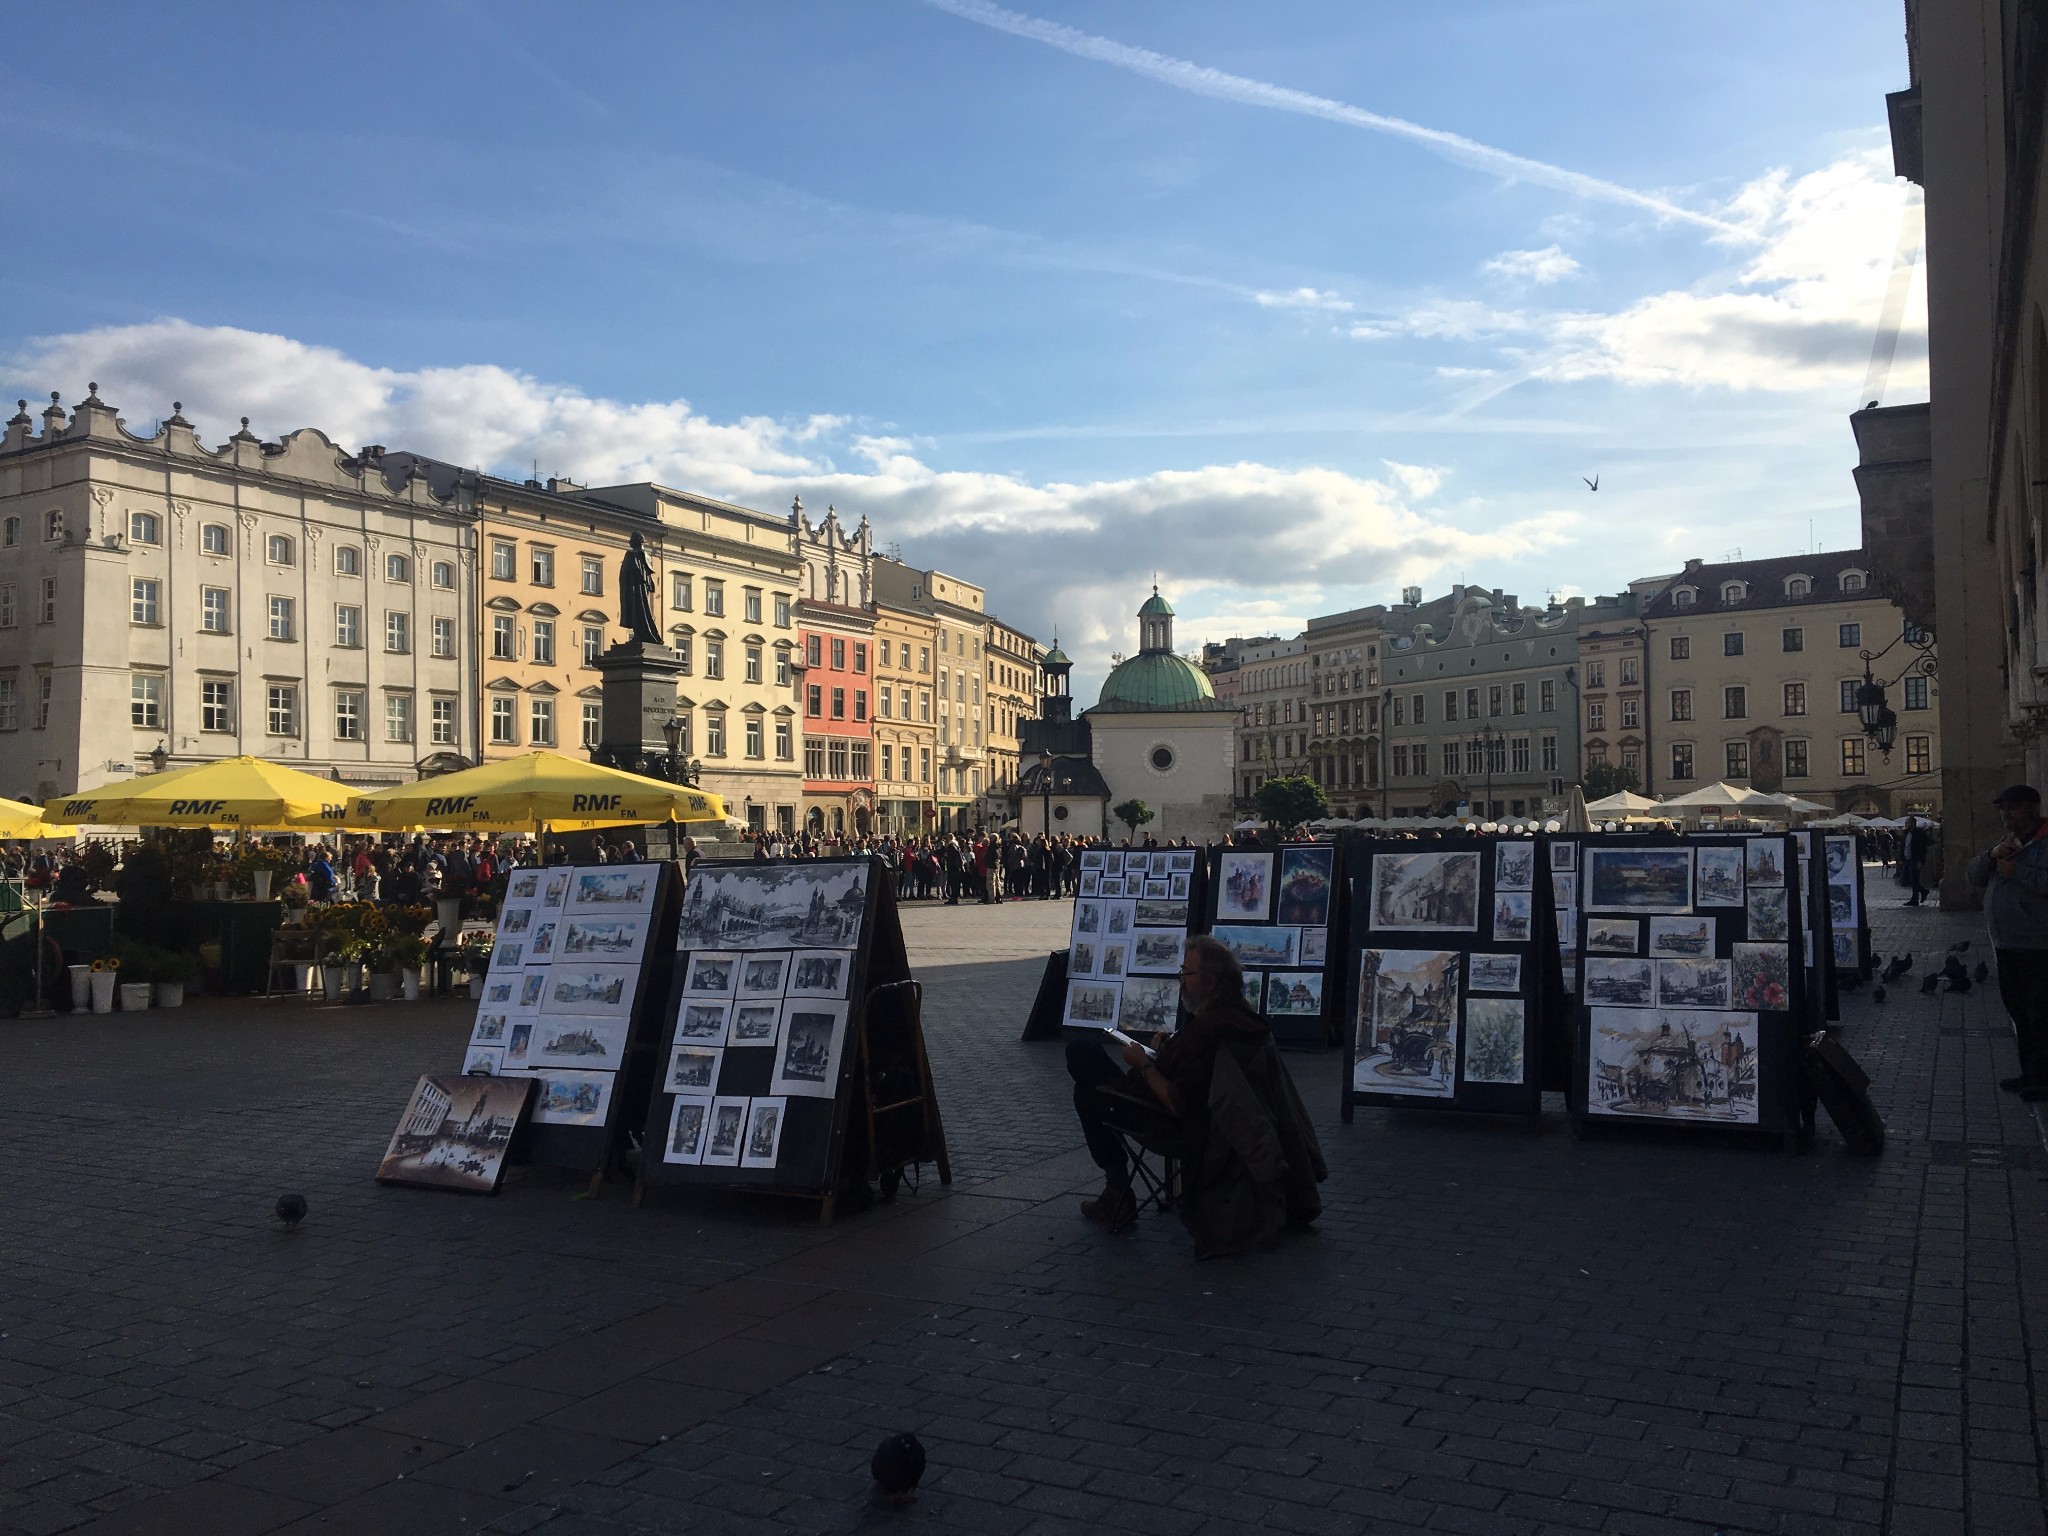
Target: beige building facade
{"type": "Point", "coordinates": [906, 735]}
{"type": "Point", "coordinates": [1010, 686]}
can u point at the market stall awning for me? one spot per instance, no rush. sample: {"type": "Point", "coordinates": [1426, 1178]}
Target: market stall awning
{"type": "Point", "coordinates": [1620, 803]}
{"type": "Point", "coordinates": [246, 792]}
{"type": "Point", "coordinates": [530, 792]}
{"type": "Point", "coordinates": [1724, 796]}
{"type": "Point", "coordinates": [21, 823]}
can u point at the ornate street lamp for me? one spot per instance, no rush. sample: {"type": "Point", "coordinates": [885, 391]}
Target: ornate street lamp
{"type": "Point", "coordinates": [1880, 724]}
{"type": "Point", "coordinates": [672, 733]}
{"type": "Point", "coordinates": [1045, 762]}
{"type": "Point", "coordinates": [159, 757]}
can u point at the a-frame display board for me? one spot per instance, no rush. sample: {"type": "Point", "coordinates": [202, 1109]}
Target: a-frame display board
{"type": "Point", "coordinates": [1691, 1009]}
{"type": "Point", "coordinates": [1848, 916]}
{"type": "Point", "coordinates": [1132, 916]}
{"type": "Point", "coordinates": [792, 1050]}
{"type": "Point", "coordinates": [579, 971]}
{"type": "Point", "coordinates": [1275, 909]}
{"type": "Point", "coordinates": [1823, 998]}
{"type": "Point", "coordinates": [1452, 981]}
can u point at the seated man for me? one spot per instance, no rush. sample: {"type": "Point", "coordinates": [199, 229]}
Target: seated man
{"type": "Point", "coordinates": [1220, 1094]}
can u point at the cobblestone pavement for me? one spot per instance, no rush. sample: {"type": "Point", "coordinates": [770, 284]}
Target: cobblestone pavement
{"type": "Point", "coordinates": [1493, 1330]}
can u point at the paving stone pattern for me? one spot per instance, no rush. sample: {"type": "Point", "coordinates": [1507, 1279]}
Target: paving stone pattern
{"type": "Point", "coordinates": [1494, 1329]}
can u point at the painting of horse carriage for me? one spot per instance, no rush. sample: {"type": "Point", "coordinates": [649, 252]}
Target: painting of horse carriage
{"type": "Point", "coordinates": [1406, 1031]}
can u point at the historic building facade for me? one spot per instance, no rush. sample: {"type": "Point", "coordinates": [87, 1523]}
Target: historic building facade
{"type": "Point", "coordinates": [1272, 714]}
{"type": "Point", "coordinates": [1344, 708]}
{"type": "Point", "coordinates": [956, 610]}
{"type": "Point", "coordinates": [906, 736]}
{"type": "Point", "coordinates": [1615, 723]}
{"type": "Point", "coordinates": [281, 599]}
{"type": "Point", "coordinates": [1010, 691]}
{"type": "Point", "coordinates": [1753, 668]}
{"type": "Point", "coordinates": [835, 621]}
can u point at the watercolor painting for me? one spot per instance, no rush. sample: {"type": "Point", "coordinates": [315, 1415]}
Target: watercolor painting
{"type": "Point", "coordinates": [1493, 1040]}
{"type": "Point", "coordinates": [1426, 891]}
{"type": "Point", "coordinates": [1673, 1065]}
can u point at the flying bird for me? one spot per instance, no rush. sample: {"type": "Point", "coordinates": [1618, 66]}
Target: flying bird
{"type": "Point", "coordinates": [1592, 484]}
{"type": "Point", "coordinates": [291, 1210]}
{"type": "Point", "coordinates": [898, 1464]}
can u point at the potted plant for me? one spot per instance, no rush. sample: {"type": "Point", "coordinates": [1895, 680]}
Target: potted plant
{"type": "Point", "coordinates": [105, 972]}
{"type": "Point", "coordinates": [137, 973]}
{"type": "Point", "coordinates": [412, 955]}
{"type": "Point", "coordinates": [261, 864]}
{"type": "Point", "coordinates": [175, 971]}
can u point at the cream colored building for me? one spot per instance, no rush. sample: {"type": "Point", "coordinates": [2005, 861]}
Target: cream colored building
{"type": "Point", "coordinates": [1750, 674]}
{"type": "Point", "coordinates": [280, 599]}
{"type": "Point", "coordinates": [956, 610]}
{"type": "Point", "coordinates": [906, 735]}
{"type": "Point", "coordinates": [1010, 684]}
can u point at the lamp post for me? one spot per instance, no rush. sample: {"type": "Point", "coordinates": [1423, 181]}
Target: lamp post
{"type": "Point", "coordinates": [1879, 722]}
{"type": "Point", "coordinates": [1045, 762]}
{"type": "Point", "coordinates": [159, 757]}
{"type": "Point", "coordinates": [672, 733]}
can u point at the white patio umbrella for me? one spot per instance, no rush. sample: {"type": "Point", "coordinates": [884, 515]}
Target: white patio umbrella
{"type": "Point", "coordinates": [1619, 803]}
{"type": "Point", "coordinates": [1720, 795]}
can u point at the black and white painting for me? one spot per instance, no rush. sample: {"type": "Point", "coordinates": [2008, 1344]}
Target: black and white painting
{"type": "Point", "coordinates": [572, 1098]}
{"type": "Point", "coordinates": [819, 973]}
{"type": "Point", "coordinates": [482, 1061]}
{"type": "Point", "coordinates": [454, 1133]}
{"type": "Point", "coordinates": [1763, 861]}
{"type": "Point", "coordinates": [1090, 1004]}
{"type": "Point", "coordinates": [1844, 941]}
{"type": "Point", "coordinates": [1619, 983]}
{"type": "Point", "coordinates": [1436, 892]}
{"type": "Point", "coordinates": [1156, 951]}
{"type": "Point", "coordinates": [725, 1133]}
{"type": "Point", "coordinates": [1692, 983]}
{"type": "Point", "coordinates": [1158, 887]}
{"type": "Point", "coordinates": [1682, 938]}
{"type": "Point", "coordinates": [688, 1120]}
{"type": "Point", "coordinates": [1564, 854]}
{"type": "Point", "coordinates": [1150, 1005]}
{"type": "Point", "coordinates": [1613, 935]}
{"type": "Point", "coordinates": [1154, 913]}
{"type": "Point", "coordinates": [1313, 946]}
{"type": "Point", "coordinates": [612, 889]}
{"type": "Point", "coordinates": [590, 937]}
{"type": "Point", "coordinates": [1117, 918]}
{"type": "Point", "coordinates": [1632, 879]}
{"type": "Point", "coordinates": [1768, 918]}
{"type": "Point", "coordinates": [703, 1022]}
{"type": "Point", "coordinates": [1244, 886]}
{"type": "Point", "coordinates": [755, 1023]}
{"type": "Point", "coordinates": [592, 1044]}
{"type": "Point", "coordinates": [1511, 917]}
{"type": "Point", "coordinates": [1564, 889]}
{"type": "Point", "coordinates": [1493, 1040]}
{"type": "Point", "coordinates": [1113, 961]}
{"type": "Point", "coordinates": [1405, 1037]}
{"type": "Point", "coordinates": [1258, 947]}
{"type": "Point", "coordinates": [692, 1069]}
{"type": "Point", "coordinates": [1081, 957]}
{"type": "Point", "coordinates": [604, 991]}
{"type": "Point", "coordinates": [807, 1060]}
{"type": "Point", "coordinates": [1493, 973]}
{"type": "Point", "coordinates": [1307, 877]}
{"type": "Point", "coordinates": [1091, 883]}
{"type": "Point", "coordinates": [1294, 995]}
{"type": "Point", "coordinates": [1717, 876]}
{"type": "Point", "coordinates": [1177, 886]}
{"type": "Point", "coordinates": [775, 906]}
{"type": "Point", "coordinates": [1673, 1065]}
{"type": "Point", "coordinates": [712, 973]}
{"type": "Point", "coordinates": [763, 975]}
{"type": "Point", "coordinates": [764, 1132]}
{"type": "Point", "coordinates": [1180, 861]}
{"type": "Point", "coordinates": [1111, 886]}
{"type": "Point", "coordinates": [1087, 918]}
{"type": "Point", "coordinates": [1514, 866]}
{"type": "Point", "coordinates": [1091, 859]}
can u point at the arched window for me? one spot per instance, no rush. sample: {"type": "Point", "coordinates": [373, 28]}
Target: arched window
{"type": "Point", "coordinates": [348, 560]}
{"type": "Point", "coordinates": [1852, 581]}
{"type": "Point", "coordinates": [1683, 597]}
{"type": "Point", "coordinates": [1733, 591]}
{"type": "Point", "coordinates": [278, 549]}
{"type": "Point", "coordinates": [1798, 586]}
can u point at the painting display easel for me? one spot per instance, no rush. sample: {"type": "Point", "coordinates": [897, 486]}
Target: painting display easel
{"type": "Point", "coordinates": [1692, 990]}
{"type": "Point", "coordinates": [1848, 914]}
{"type": "Point", "coordinates": [1452, 982]}
{"type": "Point", "coordinates": [792, 1055]}
{"type": "Point", "coordinates": [579, 968]}
{"type": "Point", "coordinates": [1132, 917]}
{"type": "Point", "coordinates": [1275, 909]}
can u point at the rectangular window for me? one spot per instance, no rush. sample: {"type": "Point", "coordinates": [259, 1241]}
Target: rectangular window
{"type": "Point", "coordinates": [1400, 765]}
{"type": "Point", "coordinates": [838, 655]}
{"type": "Point", "coordinates": [714, 598]}
{"type": "Point", "coordinates": [348, 714]}
{"type": "Point", "coordinates": [213, 609]}
{"type": "Point", "coordinates": [1494, 697]}
{"type": "Point", "coordinates": [1471, 703]}
{"type": "Point", "coordinates": [1796, 760]}
{"type": "Point", "coordinates": [142, 603]}
{"type": "Point", "coordinates": [924, 705]}
{"type": "Point", "coordinates": [398, 717]}
{"type": "Point", "coordinates": [754, 736]}
{"type": "Point", "coordinates": [1519, 699]}
{"type": "Point", "coordinates": [750, 609]}
{"type": "Point", "coordinates": [593, 723]}
{"type": "Point", "coordinates": [1399, 716]}
{"type": "Point", "coordinates": [444, 722]}
{"type": "Point", "coordinates": [860, 762]}
{"type": "Point", "coordinates": [213, 539]}
{"type": "Point", "coordinates": [1795, 698]}
{"type": "Point", "coordinates": [924, 765]}
{"type": "Point", "coordinates": [783, 738]}
{"type": "Point", "coordinates": [1546, 696]}
{"type": "Point", "coordinates": [814, 700]}
{"type": "Point", "coordinates": [444, 637]}
{"type": "Point", "coordinates": [814, 757]}
{"type": "Point", "coordinates": [1919, 754]}
{"type": "Point", "coordinates": [1848, 695]}
{"type": "Point", "coordinates": [541, 567]}
{"type": "Point", "coordinates": [1738, 760]}
{"type": "Point", "coordinates": [679, 591]}
{"type": "Point", "coordinates": [1734, 703]}
{"type": "Point", "coordinates": [888, 758]}
{"type": "Point", "coordinates": [1916, 690]}
{"type": "Point", "coordinates": [945, 684]}
{"type": "Point", "coordinates": [814, 651]}
{"type": "Point", "coordinates": [1681, 648]}
{"type": "Point", "coordinates": [1454, 757]}
{"type": "Point", "coordinates": [1518, 754]}
{"type": "Point", "coordinates": [714, 658]}
{"type": "Point", "coordinates": [860, 656]}
{"type": "Point", "coordinates": [47, 613]}
{"type": "Point", "coordinates": [860, 703]}
{"type": "Point", "coordinates": [7, 605]}
{"type": "Point", "coordinates": [888, 701]}
{"type": "Point", "coordinates": [835, 758]}
{"type": "Point", "coordinates": [1596, 715]}
{"type": "Point", "coordinates": [146, 701]}
{"type": "Point", "coordinates": [714, 733]}
{"type": "Point", "coordinates": [544, 642]}
{"type": "Point", "coordinates": [43, 689]}
{"type": "Point", "coordinates": [593, 576]}
{"type": "Point", "coordinates": [781, 664]}
{"type": "Point", "coordinates": [348, 625]}
{"type": "Point", "coordinates": [1854, 761]}
{"type": "Point", "coordinates": [216, 700]}
{"type": "Point", "coordinates": [1795, 639]}
{"type": "Point", "coordinates": [1631, 671]}
{"type": "Point", "coordinates": [540, 716]}
{"type": "Point", "coordinates": [683, 736]}
{"type": "Point", "coordinates": [282, 616]}
{"type": "Point", "coordinates": [838, 703]}
{"type": "Point", "coordinates": [1596, 674]}
{"type": "Point", "coordinates": [281, 710]}
{"type": "Point", "coordinates": [1681, 760]}
{"type": "Point", "coordinates": [1731, 643]}
{"type": "Point", "coordinates": [782, 613]}
{"type": "Point", "coordinates": [504, 560]}
{"type": "Point", "coordinates": [398, 568]}
{"type": "Point", "coordinates": [1849, 636]}
{"type": "Point", "coordinates": [10, 705]}
{"type": "Point", "coordinates": [593, 644]}
{"type": "Point", "coordinates": [1450, 704]}
{"type": "Point", "coordinates": [398, 635]}
{"type": "Point", "coordinates": [503, 639]}
{"type": "Point", "coordinates": [504, 720]}
{"type": "Point", "coordinates": [1631, 714]}
{"type": "Point", "coordinates": [1420, 706]}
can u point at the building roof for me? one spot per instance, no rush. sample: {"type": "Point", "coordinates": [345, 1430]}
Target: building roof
{"type": "Point", "coordinates": [1156, 680]}
{"type": "Point", "coordinates": [1055, 658]}
{"type": "Point", "coordinates": [1071, 776]}
{"type": "Point", "coordinates": [1156, 607]}
{"type": "Point", "coordinates": [1764, 585]}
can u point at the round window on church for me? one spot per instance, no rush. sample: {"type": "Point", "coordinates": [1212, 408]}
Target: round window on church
{"type": "Point", "coordinates": [1162, 758]}
{"type": "Point", "coordinates": [1059, 813]}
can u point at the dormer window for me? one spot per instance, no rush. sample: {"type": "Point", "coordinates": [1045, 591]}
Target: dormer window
{"type": "Point", "coordinates": [1684, 597]}
{"type": "Point", "coordinates": [1798, 586]}
{"type": "Point", "coordinates": [1733, 591]}
{"type": "Point", "coordinates": [1852, 581]}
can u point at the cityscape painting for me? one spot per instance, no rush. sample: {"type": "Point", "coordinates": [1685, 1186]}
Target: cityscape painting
{"type": "Point", "coordinates": [1638, 879]}
{"type": "Point", "coordinates": [1244, 886]}
{"type": "Point", "coordinates": [1150, 1006]}
{"type": "Point", "coordinates": [614, 888]}
{"type": "Point", "coordinates": [1405, 1037]}
{"type": "Point", "coordinates": [572, 1098]}
{"type": "Point", "coordinates": [1673, 1065]}
{"type": "Point", "coordinates": [764, 1133]}
{"type": "Point", "coordinates": [1426, 891]}
{"type": "Point", "coordinates": [755, 1023]}
{"type": "Point", "coordinates": [775, 906]}
{"type": "Point", "coordinates": [591, 1044]}
{"type": "Point", "coordinates": [455, 1132]}
{"type": "Point", "coordinates": [1090, 1004]}
{"type": "Point", "coordinates": [688, 1119]}
{"type": "Point", "coordinates": [599, 990]}
{"type": "Point", "coordinates": [1305, 886]}
{"type": "Point", "coordinates": [807, 1060]}
{"type": "Point", "coordinates": [723, 1135]}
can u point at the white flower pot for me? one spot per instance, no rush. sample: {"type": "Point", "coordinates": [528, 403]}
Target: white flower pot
{"type": "Point", "coordinates": [449, 910]}
{"type": "Point", "coordinates": [304, 973]}
{"type": "Point", "coordinates": [260, 880]}
{"type": "Point", "coordinates": [334, 981]}
{"type": "Point", "coordinates": [409, 979]}
{"type": "Point", "coordinates": [170, 994]}
{"type": "Point", "coordinates": [383, 986]}
{"type": "Point", "coordinates": [222, 890]}
{"type": "Point", "coordinates": [81, 985]}
{"type": "Point", "coordinates": [134, 996]}
{"type": "Point", "coordinates": [103, 990]}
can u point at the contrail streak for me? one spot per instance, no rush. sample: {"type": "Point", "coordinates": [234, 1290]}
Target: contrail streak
{"type": "Point", "coordinates": [1203, 81]}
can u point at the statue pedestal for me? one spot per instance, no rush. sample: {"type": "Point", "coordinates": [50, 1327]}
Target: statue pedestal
{"type": "Point", "coordinates": [639, 699]}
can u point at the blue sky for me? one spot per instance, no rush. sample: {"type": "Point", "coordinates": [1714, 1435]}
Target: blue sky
{"type": "Point", "coordinates": [1051, 305]}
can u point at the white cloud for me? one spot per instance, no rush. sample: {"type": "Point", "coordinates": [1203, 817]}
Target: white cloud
{"type": "Point", "coordinates": [1449, 371]}
{"type": "Point", "coordinates": [1548, 265]}
{"type": "Point", "coordinates": [1304, 298]}
{"type": "Point", "coordinates": [1080, 555]}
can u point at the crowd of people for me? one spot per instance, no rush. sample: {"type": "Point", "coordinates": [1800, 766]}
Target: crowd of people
{"type": "Point", "coordinates": [978, 865]}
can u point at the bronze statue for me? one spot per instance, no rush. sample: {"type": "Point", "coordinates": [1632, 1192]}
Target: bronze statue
{"type": "Point", "coordinates": [636, 595]}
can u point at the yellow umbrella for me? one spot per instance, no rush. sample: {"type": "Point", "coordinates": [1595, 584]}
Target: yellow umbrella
{"type": "Point", "coordinates": [19, 822]}
{"type": "Point", "coordinates": [246, 792]}
{"type": "Point", "coordinates": [527, 793]}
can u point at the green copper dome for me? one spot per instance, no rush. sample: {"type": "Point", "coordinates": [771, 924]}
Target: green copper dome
{"type": "Point", "coordinates": [1156, 607]}
{"type": "Point", "coordinates": [1054, 658]}
{"type": "Point", "coordinates": [1157, 680]}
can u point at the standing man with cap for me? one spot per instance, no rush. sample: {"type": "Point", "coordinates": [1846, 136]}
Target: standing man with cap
{"type": "Point", "coordinates": [2014, 878]}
